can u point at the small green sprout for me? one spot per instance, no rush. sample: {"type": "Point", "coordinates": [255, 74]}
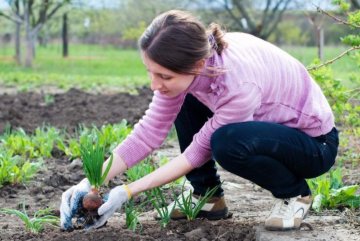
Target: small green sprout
{"type": "Point", "coordinates": [140, 170]}
{"type": "Point", "coordinates": [37, 222]}
{"type": "Point", "coordinates": [132, 216]}
{"type": "Point", "coordinates": [158, 200]}
{"type": "Point", "coordinates": [186, 205]}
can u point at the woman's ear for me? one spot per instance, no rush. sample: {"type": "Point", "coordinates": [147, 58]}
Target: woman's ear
{"type": "Point", "coordinates": [199, 65]}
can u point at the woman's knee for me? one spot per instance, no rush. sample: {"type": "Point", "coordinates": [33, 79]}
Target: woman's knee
{"type": "Point", "coordinates": [227, 146]}
{"type": "Point", "coordinates": [219, 144]}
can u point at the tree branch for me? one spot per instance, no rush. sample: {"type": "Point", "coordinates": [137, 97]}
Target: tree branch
{"type": "Point", "coordinates": [8, 17]}
{"type": "Point", "coordinates": [265, 12]}
{"type": "Point", "coordinates": [276, 19]}
{"type": "Point", "coordinates": [244, 13]}
{"type": "Point", "coordinates": [334, 59]}
{"type": "Point", "coordinates": [55, 9]}
{"type": "Point", "coordinates": [336, 18]}
{"type": "Point", "coordinates": [226, 6]}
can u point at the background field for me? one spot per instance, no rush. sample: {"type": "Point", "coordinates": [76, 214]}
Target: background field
{"type": "Point", "coordinates": [94, 66]}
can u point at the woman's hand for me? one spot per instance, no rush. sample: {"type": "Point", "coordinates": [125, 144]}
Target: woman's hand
{"type": "Point", "coordinates": [121, 194]}
{"type": "Point", "coordinates": [117, 197]}
{"type": "Point", "coordinates": [71, 202]}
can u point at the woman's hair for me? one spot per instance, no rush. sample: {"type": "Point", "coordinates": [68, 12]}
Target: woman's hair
{"type": "Point", "coordinates": [177, 40]}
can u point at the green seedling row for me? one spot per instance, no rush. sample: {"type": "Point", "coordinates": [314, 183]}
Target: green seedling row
{"type": "Point", "coordinates": [132, 213]}
{"type": "Point", "coordinates": [188, 207]}
{"type": "Point", "coordinates": [22, 154]}
{"type": "Point", "coordinates": [36, 223]}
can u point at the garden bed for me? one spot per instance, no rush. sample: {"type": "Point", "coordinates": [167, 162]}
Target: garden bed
{"type": "Point", "coordinates": [249, 203]}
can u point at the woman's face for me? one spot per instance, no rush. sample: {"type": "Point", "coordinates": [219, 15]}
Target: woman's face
{"type": "Point", "coordinates": [164, 80]}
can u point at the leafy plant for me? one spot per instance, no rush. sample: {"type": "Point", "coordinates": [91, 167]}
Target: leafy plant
{"type": "Point", "coordinates": [44, 140]}
{"type": "Point", "coordinates": [37, 222]}
{"type": "Point", "coordinates": [329, 192]}
{"type": "Point", "coordinates": [40, 144]}
{"type": "Point", "coordinates": [14, 170]}
{"type": "Point", "coordinates": [188, 207]}
{"type": "Point", "coordinates": [108, 136]}
{"type": "Point", "coordinates": [140, 170]}
{"type": "Point", "coordinates": [19, 143]}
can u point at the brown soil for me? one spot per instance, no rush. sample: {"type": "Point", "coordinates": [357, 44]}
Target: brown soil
{"type": "Point", "coordinates": [67, 110]}
{"type": "Point", "coordinates": [249, 203]}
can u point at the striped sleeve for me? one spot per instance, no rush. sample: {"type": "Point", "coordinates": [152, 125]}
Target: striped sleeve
{"type": "Point", "coordinates": [150, 132]}
{"type": "Point", "coordinates": [233, 107]}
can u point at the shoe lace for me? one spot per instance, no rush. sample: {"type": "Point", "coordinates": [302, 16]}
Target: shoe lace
{"type": "Point", "coordinates": [282, 207]}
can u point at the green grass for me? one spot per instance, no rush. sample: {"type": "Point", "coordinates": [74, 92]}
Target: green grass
{"type": "Point", "coordinates": [87, 67]}
{"type": "Point", "coordinates": [345, 69]}
{"type": "Point", "coordinates": [93, 67]}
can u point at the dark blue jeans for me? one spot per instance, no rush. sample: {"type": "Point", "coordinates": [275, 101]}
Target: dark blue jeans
{"type": "Point", "coordinates": [273, 156]}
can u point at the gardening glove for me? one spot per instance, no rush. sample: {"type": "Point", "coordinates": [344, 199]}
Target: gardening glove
{"type": "Point", "coordinates": [71, 202]}
{"type": "Point", "coordinates": [117, 197]}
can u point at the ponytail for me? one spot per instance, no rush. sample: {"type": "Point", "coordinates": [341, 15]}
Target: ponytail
{"type": "Point", "coordinates": [216, 39]}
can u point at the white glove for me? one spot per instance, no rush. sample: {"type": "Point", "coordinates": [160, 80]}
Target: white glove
{"type": "Point", "coordinates": [71, 202]}
{"type": "Point", "coordinates": [117, 197]}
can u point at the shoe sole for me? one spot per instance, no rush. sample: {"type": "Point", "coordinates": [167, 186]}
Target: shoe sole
{"type": "Point", "coordinates": [285, 229]}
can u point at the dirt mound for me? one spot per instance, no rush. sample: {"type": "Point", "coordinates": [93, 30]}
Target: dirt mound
{"type": "Point", "coordinates": [67, 110]}
{"type": "Point", "coordinates": [180, 230]}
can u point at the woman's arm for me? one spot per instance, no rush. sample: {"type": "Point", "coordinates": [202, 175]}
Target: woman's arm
{"type": "Point", "coordinates": [118, 166]}
{"type": "Point", "coordinates": [174, 169]}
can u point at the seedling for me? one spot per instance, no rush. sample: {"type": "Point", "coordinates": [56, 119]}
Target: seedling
{"type": "Point", "coordinates": [132, 216]}
{"type": "Point", "coordinates": [188, 207]}
{"type": "Point", "coordinates": [14, 170]}
{"type": "Point", "coordinates": [330, 192]}
{"type": "Point", "coordinates": [108, 136]}
{"type": "Point", "coordinates": [93, 159]}
{"type": "Point", "coordinates": [37, 222]}
{"type": "Point", "coordinates": [140, 170]}
{"type": "Point", "coordinates": [158, 200]}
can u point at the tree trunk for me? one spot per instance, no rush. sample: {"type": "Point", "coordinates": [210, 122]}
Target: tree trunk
{"type": "Point", "coordinates": [65, 36]}
{"type": "Point", "coordinates": [17, 34]}
{"type": "Point", "coordinates": [18, 43]}
{"type": "Point", "coordinates": [28, 42]}
{"type": "Point", "coordinates": [320, 39]}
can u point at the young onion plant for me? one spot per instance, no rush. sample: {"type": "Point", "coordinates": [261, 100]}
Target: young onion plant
{"type": "Point", "coordinates": [37, 222]}
{"type": "Point", "coordinates": [93, 158]}
{"type": "Point", "coordinates": [188, 207]}
{"type": "Point", "coordinates": [158, 200]}
{"type": "Point", "coordinates": [132, 216]}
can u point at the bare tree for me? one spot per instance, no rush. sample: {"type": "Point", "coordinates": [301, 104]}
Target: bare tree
{"type": "Point", "coordinates": [17, 20]}
{"type": "Point", "coordinates": [33, 14]}
{"type": "Point", "coordinates": [259, 18]}
{"type": "Point", "coordinates": [317, 21]}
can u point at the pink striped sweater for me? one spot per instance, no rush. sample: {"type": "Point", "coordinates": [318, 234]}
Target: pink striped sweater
{"type": "Point", "coordinates": [261, 83]}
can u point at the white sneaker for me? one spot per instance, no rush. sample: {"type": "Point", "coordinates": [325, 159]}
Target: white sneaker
{"type": "Point", "coordinates": [288, 213]}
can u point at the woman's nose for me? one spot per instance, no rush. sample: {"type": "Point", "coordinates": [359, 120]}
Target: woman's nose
{"type": "Point", "coordinates": [155, 83]}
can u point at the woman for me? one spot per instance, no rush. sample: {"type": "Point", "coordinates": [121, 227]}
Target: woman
{"type": "Point", "coordinates": [235, 99]}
